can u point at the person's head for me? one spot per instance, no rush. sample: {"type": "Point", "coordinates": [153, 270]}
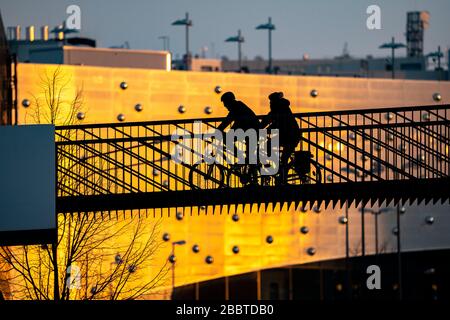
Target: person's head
{"type": "Point", "coordinates": [228, 98]}
{"type": "Point", "coordinates": [275, 98]}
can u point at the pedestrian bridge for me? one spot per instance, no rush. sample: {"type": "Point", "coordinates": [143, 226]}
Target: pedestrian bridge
{"type": "Point", "coordinates": [359, 157]}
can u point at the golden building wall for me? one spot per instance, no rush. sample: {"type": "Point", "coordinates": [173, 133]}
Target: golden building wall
{"type": "Point", "coordinates": [161, 94]}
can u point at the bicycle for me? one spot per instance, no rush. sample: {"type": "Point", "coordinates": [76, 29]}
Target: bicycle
{"type": "Point", "coordinates": [301, 169]}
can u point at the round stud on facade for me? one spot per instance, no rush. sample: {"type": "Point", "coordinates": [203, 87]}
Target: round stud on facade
{"type": "Point", "coordinates": [343, 220]}
{"type": "Point", "coordinates": [121, 117]}
{"type": "Point", "coordinates": [317, 209]}
{"type": "Point", "coordinates": [208, 110]}
{"type": "Point", "coordinates": [395, 231]}
{"type": "Point", "coordinates": [172, 258]}
{"type": "Point", "coordinates": [138, 107]}
{"type": "Point", "coordinates": [26, 103]}
{"type": "Point", "coordinates": [269, 239]}
{"type": "Point", "coordinates": [165, 183]}
{"type": "Point", "coordinates": [426, 116]}
{"type": "Point", "coordinates": [203, 208]}
{"type": "Point", "coordinates": [93, 290]}
{"type": "Point", "coordinates": [209, 259]}
{"type": "Point", "coordinates": [303, 209]}
{"type": "Point", "coordinates": [218, 89]}
{"type": "Point", "coordinates": [235, 249]}
{"type": "Point", "coordinates": [437, 97]}
{"type": "Point", "coordinates": [304, 230]}
{"type": "Point", "coordinates": [402, 147]}
{"type": "Point", "coordinates": [195, 248]}
{"type": "Point", "coordinates": [314, 93]}
{"type": "Point", "coordinates": [390, 137]}
{"type": "Point", "coordinates": [155, 172]}
{"type": "Point", "coordinates": [377, 147]}
{"type": "Point", "coordinates": [364, 158]}
{"type": "Point", "coordinates": [330, 178]}
{"type": "Point", "coordinates": [421, 157]}
{"type": "Point", "coordinates": [429, 220]}
{"type": "Point", "coordinates": [352, 136]}
{"type": "Point", "coordinates": [235, 217]}
{"type": "Point", "coordinates": [166, 237]}
{"type": "Point", "coordinates": [329, 157]}
{"type": "Point", "coordinates": [118, 259]}
{"type": "Point", "coordinates": [81, 116]}
{"type": "Point", "coordinates": [179, 215]}
{"type": "Point", "coordinates": [123, 85]}
{"type": "Point", "coordinates": [181, 109]}
{"type": "Point", "coordinates": [311, 251]}
{"type": "Point", "coordinates": [402, 210]}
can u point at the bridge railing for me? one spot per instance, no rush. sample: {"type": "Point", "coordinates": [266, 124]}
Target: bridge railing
{"type": "Point", "coordinates": [347, 146]}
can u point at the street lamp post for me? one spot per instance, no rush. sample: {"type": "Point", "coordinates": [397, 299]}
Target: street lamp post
{"type": "Point", "coordinates": [376, 213]}
{"type": "Point", "coordinates": [399, 255]}
{"type": "Point", "coordinates": [270, 27]}
{"type": "Point", "coordinates": [173, 260]}
{"type": "Point", "coordinates": [437, 55]}
{"type": "Point", "coordinates": [239, 39]}
{"type": "Point", "coordinates": [392, 45]}
{"type": "Point", "coordinates": [187, 23]}
{"type": "Point", "coordinates": [166, 42]}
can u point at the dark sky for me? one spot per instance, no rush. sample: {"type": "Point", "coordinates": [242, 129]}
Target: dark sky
{"type": "Point", "coordinates": [318, 28]}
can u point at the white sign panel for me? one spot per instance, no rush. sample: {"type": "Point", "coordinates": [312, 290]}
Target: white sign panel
{"type": "Point", "coordinates": [27, 184]}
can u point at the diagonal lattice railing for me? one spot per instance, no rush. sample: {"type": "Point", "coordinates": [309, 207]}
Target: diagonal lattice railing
{"type": "Point", "coordinates": [371, 145]}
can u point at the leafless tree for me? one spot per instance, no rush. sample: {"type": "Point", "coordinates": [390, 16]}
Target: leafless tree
{"type": "Point", "coordinates": [96, 255]}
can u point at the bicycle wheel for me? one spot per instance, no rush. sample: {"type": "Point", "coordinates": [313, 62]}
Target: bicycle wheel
{"type": "Point", "coordinates": [205, 176]}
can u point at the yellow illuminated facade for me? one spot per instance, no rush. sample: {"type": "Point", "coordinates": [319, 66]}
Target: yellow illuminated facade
{"type": "Point", "coordinates": [161, 93]}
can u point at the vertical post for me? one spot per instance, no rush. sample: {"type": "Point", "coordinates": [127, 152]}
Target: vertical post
{"type": "Point", "coordinates": [439, 58]}
{"type": "Point", "coordinates": [187, 41]}
{"type": "Point", "coordinates": [239, 51]}
{"type": "Point", "coordinates": [270, 46]}
{"type": "Point", "coordinates": [347, 255]}
{"type": "Point", "coordinates": [363, 233]}
{"type": "Point", "coordinates": [439, 64]}
{"type": "Point", "coordinates": [258, 285]}
{"type": "Point", "coordinates": [399, 255]}
{"type": "Point", "coordinates": [227, 288]}
{"type": "Point", "coordinates": [393, 58]}
{"type": "Point", "coordinates": [376, 231]}
{"type": "Point", "coordinates": [197, 291]}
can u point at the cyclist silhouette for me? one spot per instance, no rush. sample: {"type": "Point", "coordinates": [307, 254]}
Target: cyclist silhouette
{"type": "Point", "coordinates": [239, 113]}
{"type": "Point", "coordinates": [281, 117]}
{"type": "Point", "coordinates": [241, 116]}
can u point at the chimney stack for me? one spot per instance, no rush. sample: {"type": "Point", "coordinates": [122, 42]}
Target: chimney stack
{"type": "Point", "coordinates": [30, 33]}
{"type": "Point", "coordinates": [44, 33]}
{"type": "Point", "coordinates": [14, 33]}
